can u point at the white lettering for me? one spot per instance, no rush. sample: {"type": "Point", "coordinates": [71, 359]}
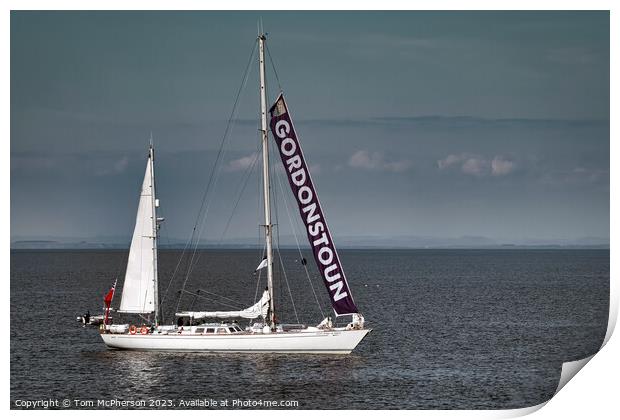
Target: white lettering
{"type": "Point", "coordinates": [299, 177]}
{"type": "Point", "coordinates": [282, 128]}
{"type": "Point", "coordinates": [316, 228]}
{"type": "Point", "coordinates": [312, 215]}
{"type": "Point", "coordinates": [328, 273]}
{"type": "Point", "coordinates": [322, 240]}
{"type": "Point", "coordinates": [294, 163]}
{"type": "Point", "coordinates": [330, 255]}
{"type": "Point", "coordinates": [291, 144]}
{"type": "Point", "coordinates": [339, 294]}
{"type": "Point", "coordinates": [308, 195]}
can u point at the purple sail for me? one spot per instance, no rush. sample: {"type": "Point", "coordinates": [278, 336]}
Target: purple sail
{"type": "Point", "coordinates": [310, 210]}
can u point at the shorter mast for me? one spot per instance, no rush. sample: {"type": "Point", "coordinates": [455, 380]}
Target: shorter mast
{"type": "Point", "coordinates": [154, 204]}
{"type": "Point", "coordinates": [266, 187]}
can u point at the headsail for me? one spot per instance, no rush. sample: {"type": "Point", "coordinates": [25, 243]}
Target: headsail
{"type": "Point", "coordinates": [139, 286]}
{"type": "Point", "coordinates": [319, 237]}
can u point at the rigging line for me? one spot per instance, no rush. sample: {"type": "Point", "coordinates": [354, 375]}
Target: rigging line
{"type": "Point", "coordinates": [240, 194]}
{"type": "Point", "coordinates": [279, 178]}
{"type": "Point", "coordinates": [175, 272]}
{"type": "Point", "coordinates": [167, 238]}
{"type": "Point", "coordinates": [208, 298]}
{"type": "Point", "coordinates": [259, 274]}
{"type": "Point", "coordinates": [290, 293]}
{"type": "Point", "coordinates": [274, 199]}
{"type": "Point", "coordinates": [286, 281]}
{"type": "Point", "coordinates": [221, 296]}
{"type": "Point", "coordinates": [218, 166]}
{"type": "Point", "coordinates": [273, 67]}
{"type": "Point", "coordinates": [219, 154]}
{"type": "Point", "coordinates": [241, 189]}
{"type": "Point", "coordinates": [191, 305]}
{"type": "Point", "coordinates": [260, 209]}
{"type": "Point", "coordinates": [125, 261]}
{"type": "Point", "coordinates": [280, 252]}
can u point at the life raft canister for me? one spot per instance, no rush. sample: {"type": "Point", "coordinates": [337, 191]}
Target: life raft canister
{"type": "Point", "coordinates": [132, 330]}
{"type": "Point", "coordinates": [144, 330]}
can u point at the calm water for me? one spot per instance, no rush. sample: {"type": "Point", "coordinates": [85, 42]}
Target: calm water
{"type": "Point", "coordinates": [451, 329]}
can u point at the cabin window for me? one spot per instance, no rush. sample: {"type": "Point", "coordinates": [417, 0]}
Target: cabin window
{"type": "Point", "coordinates": [210, 330]}
{"type": "Point", "coordinates": [199, 330]}
{"type": "Point", "coordinates": [231, 330]}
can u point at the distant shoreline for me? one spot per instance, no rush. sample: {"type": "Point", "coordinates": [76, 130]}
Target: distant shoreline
{"type": "Point", "coordinates": [359, 248]}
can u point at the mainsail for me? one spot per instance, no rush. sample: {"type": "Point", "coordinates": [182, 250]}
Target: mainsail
{"type": "Point", "coordinates": [258, 309]}
{"type": "Point", "coordinates": [310, 211]}
{"type": "Point", "coordinates": [140, 282]}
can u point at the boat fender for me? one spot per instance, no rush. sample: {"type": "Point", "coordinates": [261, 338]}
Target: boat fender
{"type": "Point", "coordinates": [102, 327]}
{"type": "Point", "coordinates": [144, 330]}
{"type": "Point", "coordinates": [132, 330]}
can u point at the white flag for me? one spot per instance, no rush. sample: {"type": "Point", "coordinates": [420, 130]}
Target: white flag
{"type": "Point", "coordinates": [262, 264]}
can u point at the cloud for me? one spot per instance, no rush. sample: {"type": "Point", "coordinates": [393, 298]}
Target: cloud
{"type": "Point", "coordinates": [501, 166]}
{"type": "Point", "coordinates": [467, 163]}
{"type": "Point", "coordinates": [476, 165]}
{"type": "Point", "coordinates": [241, 164]}
{"type": "Point", "coordinates": [120, 165]}
{"type": "Point", "coordinates": [362, 159]}
{"type": "Point", "coordinates": [117, 168]}
{"type": "Point", "coordinates": [315, 169]}
{"type": "Point", "coordinates": [449, 161]}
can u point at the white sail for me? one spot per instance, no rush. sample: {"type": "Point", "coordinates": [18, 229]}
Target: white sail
{"type": "Point", "coordinates": [258, 309]}
{"type": "Point", "coordinates": [139, 287]}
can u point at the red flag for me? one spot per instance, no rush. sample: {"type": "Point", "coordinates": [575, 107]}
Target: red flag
{"type": "Point", "coordinates": [108, 298]}
{"type": "Point", "coordinates": [108, 301]}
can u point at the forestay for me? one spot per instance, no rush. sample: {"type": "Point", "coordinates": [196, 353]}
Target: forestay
{"type": "Point", "coordinates": [258, 309]}
{"type": "Point", "coordinates": [310, 210]}
{"type": "Point", "coordinates": [139, 286]}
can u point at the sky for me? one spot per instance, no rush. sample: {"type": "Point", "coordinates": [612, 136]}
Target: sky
{"type": "Point", "coordinates": [425, 124]}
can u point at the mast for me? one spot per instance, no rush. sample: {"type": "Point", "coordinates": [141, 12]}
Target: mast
{"type": "Point", "coordinates": [154, 205]}
{"type": "Point", "coordinates": [266, 187]}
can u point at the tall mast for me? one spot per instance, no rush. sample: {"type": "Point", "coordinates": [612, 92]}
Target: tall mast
{"type": "Point", "coordinates": [154, 235]}
{"type": "Point", "coordinates": [266, 187]}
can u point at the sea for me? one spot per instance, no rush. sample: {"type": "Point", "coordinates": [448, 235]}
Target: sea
{"type": "Point", "coordinates": [451, 329]}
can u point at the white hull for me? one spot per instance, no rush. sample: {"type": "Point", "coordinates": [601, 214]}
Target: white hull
{"type": "Point", "coordinates": [332, 341]}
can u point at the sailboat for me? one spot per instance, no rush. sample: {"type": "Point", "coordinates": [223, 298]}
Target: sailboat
{"type": "Point", "coordinates": [265, 334]}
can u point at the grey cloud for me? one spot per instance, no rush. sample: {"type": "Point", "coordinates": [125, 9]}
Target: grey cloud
{"type": "Point", "coordinates": [363, 159]}
{"type": "Point", "coordinates": [241, 163]}
{"type": "Point", "coordinates": [477, 165]}
{"type": "Point", "coordinates": [502, 166]}
{"type": "Point", "coordinates": [113, 168]}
